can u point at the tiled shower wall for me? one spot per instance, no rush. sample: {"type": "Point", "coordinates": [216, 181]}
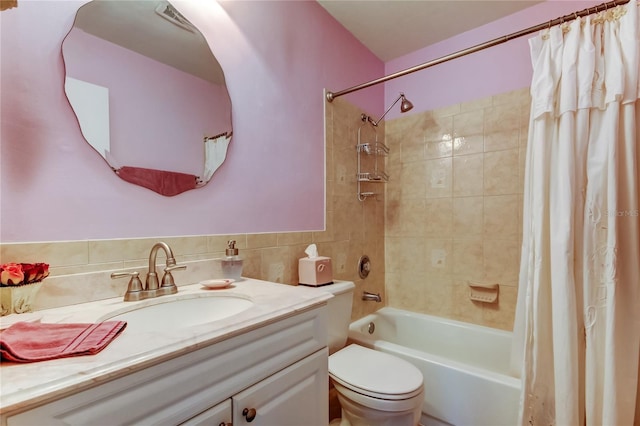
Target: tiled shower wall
{"type": "Point", "coordinates": [453, 211]}
{"type": "Point", "coordinates": [80, 269]}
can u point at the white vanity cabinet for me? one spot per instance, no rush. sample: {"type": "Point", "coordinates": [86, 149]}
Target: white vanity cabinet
{"type": "Point", "coordinates": [278, 369]}
{"type": "Point", "coordinates": [294, 396]}
{"type": "Point", "coordinates": [220, 415]}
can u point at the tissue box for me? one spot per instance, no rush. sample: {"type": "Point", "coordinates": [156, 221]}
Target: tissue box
{"type": "Point", "coordinates": [315, 271]}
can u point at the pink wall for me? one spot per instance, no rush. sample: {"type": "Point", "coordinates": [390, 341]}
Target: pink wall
{"type": "Point", "coordinates": [277, 57]}
{"type": "Point", "coordinates": [491, 71]}
{"type": "Point", "coordinates": [158, 114]}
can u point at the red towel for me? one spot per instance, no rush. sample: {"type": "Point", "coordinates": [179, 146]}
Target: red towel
{"type": "Point", "coordinates": [33, 341]}
{"type": "Point", "coordinates": [161, 181]}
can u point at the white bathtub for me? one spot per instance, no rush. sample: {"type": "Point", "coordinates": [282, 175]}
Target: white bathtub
{"type": "Point", "coordinates": [465, 366]}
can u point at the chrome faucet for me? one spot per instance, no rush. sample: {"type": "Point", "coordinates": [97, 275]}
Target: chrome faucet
{"type": "Point", "coordinates": [371, 296]}
{"type": "Point", "coordinates": [168, 286]}
{"type": "Point", "coordinates": [136, 291]}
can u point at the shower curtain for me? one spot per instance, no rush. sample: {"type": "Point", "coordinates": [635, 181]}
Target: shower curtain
{"type": "Point", "coordinates": [577, 328]}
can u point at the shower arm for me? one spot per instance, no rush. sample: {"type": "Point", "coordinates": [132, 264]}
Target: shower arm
{"type": "Point", "coordinates": [375, 123]}
{"type": "Point", "coordinates": [405, 106]}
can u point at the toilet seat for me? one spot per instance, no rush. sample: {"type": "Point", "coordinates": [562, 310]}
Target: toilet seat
{"type": "Point", "coordinates": [375, 374]}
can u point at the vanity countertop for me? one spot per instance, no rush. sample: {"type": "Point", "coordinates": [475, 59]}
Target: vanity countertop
{"type": "Point", "coordinates": [25, 385]}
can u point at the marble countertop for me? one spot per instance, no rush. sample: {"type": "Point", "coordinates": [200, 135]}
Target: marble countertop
{"type": "Point", "coordinates": [24, 385]}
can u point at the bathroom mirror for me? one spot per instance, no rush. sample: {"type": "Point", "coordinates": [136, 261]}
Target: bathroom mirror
{"type": "Point", "coordinates": [149, 95]}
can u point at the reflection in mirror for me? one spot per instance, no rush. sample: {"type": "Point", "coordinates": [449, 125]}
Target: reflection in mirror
{"type": "Point", "coordinates": [149, 95]}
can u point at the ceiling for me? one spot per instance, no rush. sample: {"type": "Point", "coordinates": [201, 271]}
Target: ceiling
{"type": "Point", "coordinates": [393, 28]}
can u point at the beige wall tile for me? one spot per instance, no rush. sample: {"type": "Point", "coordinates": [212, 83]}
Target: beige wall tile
{"type": "Point", "coordinates": [438, 128]}
{"type": "Point", "coordinates": [502, 117]}
{"type": "Point", "coordinates": [252, 263]}
{"type": "Point", "coordinates": [256, 241]}
{"type": "Point", "coordinates": [405, 290]}
{"type": "Point", "coordinates": [522, 166]}
{"type": "Point", "coordinates": [448, 110]}
{"type": "Point", "coordinates": [218, 243]}
{"type": "Point", "coordinates": [501, 216]}
{"type": "Point", "coordinates": [501, 172]}
{"type": "Point", "coordinates": [439, 296]}
{"type": "Point", "coordinates": [463, 308]}
{"type": "Point", "coordinates": [56, 254]}
{"type": "Point", "coordinates": [468, 216]}
{"type": "Point", "coordinates": [294, 238]}
{"type": "Point", "coordinates": [277, 265]}
{"type": "Point", "coordinates": [406, 217]}
{"type": "Point", "coordinates": [468, 258]}
{"type": "Point", "coordinates": [439, 177]}
{"type": "Point", "coordinates": [413, 180]}
{"type": "Point", "coordinates": [469, 122]}
{"type": "Point", "coordinates": [439, 257]}
{"type": "Point", "coordinates": [469, 144]}
{"type": "Point", "coordinates": [519, 96]}
{"type": "Point", "coordinates": [468, 174]}
{"type": "Point", "coordinates": [438, 217]}
{"type": "Point", "coordinates": [438, 149]}
{"type": "Point", "coordinates": [501, 260]}
{"type": "Point", "coordinates": [408, 255]}
{"type": "Point", "coordinates": [501, 314]}
{"type": "Point", "coordinates": [502, 139]}
{"type": "Point", "coordinates": [412, 151]}
{"type": "Point", "coordinates": [476, 104]}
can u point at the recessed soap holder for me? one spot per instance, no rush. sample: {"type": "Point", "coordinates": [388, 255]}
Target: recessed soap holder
{"type": "Point", "coordinates": [485, 293]}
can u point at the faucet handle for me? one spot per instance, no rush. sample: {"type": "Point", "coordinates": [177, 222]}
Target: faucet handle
{"type": "Point", "coordinates": [167, 278]}
{"type": "Point", "coordinates": [174, 268]}
{"type": "Point", "coordinates": [134, 289]}
{"type": "Point", "coordinates": [168, 285]}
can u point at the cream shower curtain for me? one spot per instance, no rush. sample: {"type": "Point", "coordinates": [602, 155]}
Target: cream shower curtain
{"type": "Point", "coordinates": [577, 329]}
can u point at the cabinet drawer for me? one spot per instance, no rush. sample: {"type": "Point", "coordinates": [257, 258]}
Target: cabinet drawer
{"type": "Point", "coordinates": [176, 390]}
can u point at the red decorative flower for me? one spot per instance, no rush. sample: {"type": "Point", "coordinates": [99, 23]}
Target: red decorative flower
{"type": "Point", "coordinates": [22, 273]}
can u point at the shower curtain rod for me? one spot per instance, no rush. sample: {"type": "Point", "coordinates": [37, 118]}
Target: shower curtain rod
{"type": "Point", "coordinates": [599, 8]}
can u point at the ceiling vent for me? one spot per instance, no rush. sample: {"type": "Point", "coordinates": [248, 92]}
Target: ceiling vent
{"type": "Point", "coordinates": [171, 14]}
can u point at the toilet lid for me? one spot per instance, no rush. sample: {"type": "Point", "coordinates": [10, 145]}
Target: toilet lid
{"type": "Point", "coordinates": [374, 371]}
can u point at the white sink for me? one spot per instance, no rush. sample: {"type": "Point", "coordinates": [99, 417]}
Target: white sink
{"type": "Point", "coordinates": [174, 314]}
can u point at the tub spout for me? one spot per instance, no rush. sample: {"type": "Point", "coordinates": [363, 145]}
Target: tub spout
{"type": "Point", "coordinates": [371, 296]}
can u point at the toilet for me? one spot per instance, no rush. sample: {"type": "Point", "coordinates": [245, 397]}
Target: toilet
{"type": "Point", "coordinates": [374, 388]}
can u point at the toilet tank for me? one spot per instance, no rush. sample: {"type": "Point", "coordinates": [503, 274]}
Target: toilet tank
{"type": "Point", "coordinates": [339, 307]}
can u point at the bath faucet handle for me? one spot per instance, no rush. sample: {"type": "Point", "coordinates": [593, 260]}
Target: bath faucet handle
{"type": "Point", "coordinates": [168, 284]}
{"type": "Point", "coordinates": [167, 278]}
{"type": "Point", "coordinates": [134, 289]}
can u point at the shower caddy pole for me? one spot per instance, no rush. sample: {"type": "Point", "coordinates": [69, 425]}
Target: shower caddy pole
{"type": "Point", "coordinates": [567, 18]}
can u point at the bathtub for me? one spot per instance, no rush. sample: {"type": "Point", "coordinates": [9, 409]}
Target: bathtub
{"type": "Point", "coordinates": [465, 366]}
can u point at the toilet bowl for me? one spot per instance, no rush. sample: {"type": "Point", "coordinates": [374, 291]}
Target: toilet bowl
{"type": "Point", "coordinates": [373, 388]}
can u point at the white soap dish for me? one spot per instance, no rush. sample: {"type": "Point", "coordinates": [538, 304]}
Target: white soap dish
{"type": "Point", "coordinates": [485, 293]}
{"type": "Point", "coordinates": [216, 284]}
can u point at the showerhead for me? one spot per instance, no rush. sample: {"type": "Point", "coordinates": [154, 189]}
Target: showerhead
{"type": "Point", "coordinates": [405, 106]}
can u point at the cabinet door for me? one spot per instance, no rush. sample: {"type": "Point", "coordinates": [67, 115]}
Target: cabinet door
{"type": "Point", "coordinates": [295, 396]}
{"type": "Point", "coordinates": [219, 415]}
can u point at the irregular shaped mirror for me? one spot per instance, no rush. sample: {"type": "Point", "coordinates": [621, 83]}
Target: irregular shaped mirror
{"type": "Point", "coordinates": [149, 95]}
